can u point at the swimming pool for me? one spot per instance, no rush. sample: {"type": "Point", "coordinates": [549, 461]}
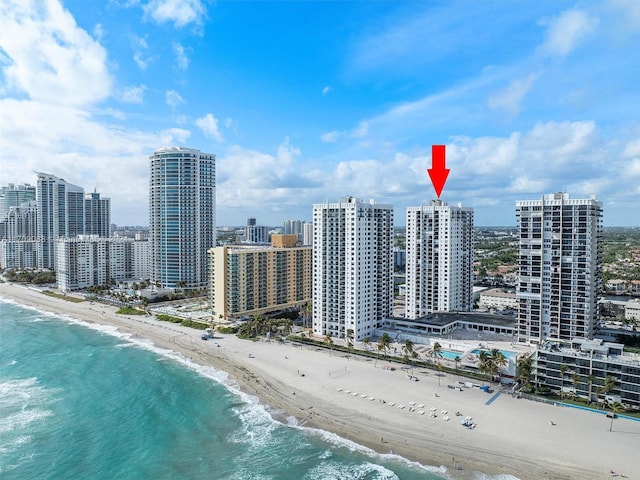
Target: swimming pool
{"type": "Point", "coordinates": [450, 355]}
{"type": "Point", "coordinates": [506, 353]}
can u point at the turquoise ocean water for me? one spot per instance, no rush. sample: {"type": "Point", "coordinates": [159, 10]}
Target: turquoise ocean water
{"type": "Point", "coordinates": [84, 402]}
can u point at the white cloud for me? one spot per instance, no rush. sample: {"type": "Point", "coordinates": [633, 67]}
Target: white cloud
{"type": "Point", "coordinates": [98, 31]}
{"type": "Point", "coordinates": [139, 47]}
{"type": "Point", "coordinates": [522, 184]}
{"type": "Point", "coordinates": [567, 30]}
{"type": "Point", "coordinates": [326, 90]}
{"type": "Point", "coordinates": [178, 12]}
{"type": "Point", "coordinates": [133, 94]}
{"type": "Point", "coordinates": [173, 98]}
{"type": "Point", "coordinates": [332, 136]}
{"type": "Point", "coordinates": [630, 10]}
{"type": "Point", "coordinates": [171, 136]}
{"type": "Point", "coordinates": [228, 122]}
{"type": "Point", "coordinates": [562, 139]}
{"type": "Point", "coordinates": [632, 149]}
{"type": "Point", "coordinates": [361, 130]}
{"type": "Point", "coordinates": [51, 58]}
{"type": "Point", "coordinates": [182, 59]}
{"type": "Point", "coordinates": [209, 125]}
{"type": "Point", "coordinates": [634, 168]}
{"type": "Point", "coordinates": [509, 99]}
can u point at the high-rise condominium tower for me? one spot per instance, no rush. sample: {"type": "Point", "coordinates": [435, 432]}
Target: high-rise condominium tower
{"type": "Point", "coordinates": [182, 224]}
{"type": "Point", "coordinates": [352, 267]}
{"type": "Point", "coordinates": [60, 214]}
{"type": "Point", "coordinates": [97, 214]}
{"type": "Point", "coordinates": [559, 267]}
{"type": "Point", "coordinates": [439, 267]}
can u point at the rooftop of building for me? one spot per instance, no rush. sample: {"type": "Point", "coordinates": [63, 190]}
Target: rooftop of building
{"type": "Point", "coordinates": [596, 348]}
{"type": "Point", "coordinates": [443, 318]}
{"type": "Point", "coordinates": [499, 292]}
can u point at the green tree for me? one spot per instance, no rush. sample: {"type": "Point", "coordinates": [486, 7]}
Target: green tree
{"type": "Point", "coordinates": [366, 341]}
{"type": "Point", "coordinates": [407, 350]}
{"type": "Point", "coordinates": [616, 407]}
{"type": "Point", "coordinates": [456, 362]}
{"type": "Point", "coordinates": [435, 351]}
{"type": "Point", "coordinates": [524, 372]}
{"type": "Point", "coordinates": [329, 341]}
{"type": "Point", "coordinates": [349, 338]}
{"type": "Point", "coordinates": [385, 343]}
{"type": "Point", "coordinates": [307, 313]}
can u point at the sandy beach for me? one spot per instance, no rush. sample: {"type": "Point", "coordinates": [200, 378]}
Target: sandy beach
{"type": "Point", "coordinates": [513, 436]}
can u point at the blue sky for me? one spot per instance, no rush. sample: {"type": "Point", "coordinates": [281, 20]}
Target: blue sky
{"type": "Point", "coordinates": [304, 102]}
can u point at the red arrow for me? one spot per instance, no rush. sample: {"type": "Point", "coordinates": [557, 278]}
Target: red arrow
{"type": "Point", "coordinates": [438, 171]}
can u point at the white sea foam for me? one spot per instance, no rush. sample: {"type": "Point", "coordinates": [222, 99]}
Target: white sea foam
{"type": "Point", "coordinates": [338, 471]}
{"type": "Point", "coordinates": [339, 441]}
{"type": "Point", "coordinates": [23, 406]}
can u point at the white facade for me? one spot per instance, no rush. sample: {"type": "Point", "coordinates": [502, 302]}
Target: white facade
{"type": "Point", "coordinates": [352, 267]}
{"type": "Point", "coordinates": [307, 233]}
{"type": "Point", "coordinates": [439, 270]}
{"type": "Point", "coordinates": [141, 259]}
{"type": "Point", "coordinates": [88, 260]}
{"type": "Point", "coordinates": [498, 299]}
{"type": "Point", "coordinates": [97, 215]}
{"type": "Point", "coordinates": [182, 225]}
{"type": "Point", "coordinates": [60, 214]}
{"type": "Point", "coordinates": [559, 267]}
{"type": "Point", "coordinates": [19, 254]}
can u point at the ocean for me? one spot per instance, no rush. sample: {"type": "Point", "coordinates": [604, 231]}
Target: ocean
{"type": "Point", "coordinates": [79, 401]}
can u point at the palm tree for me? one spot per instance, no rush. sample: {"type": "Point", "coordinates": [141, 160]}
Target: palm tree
{"type": "Point", "coordinates": [349, 338]}
{"type": "Point", "coordinates": [384, 342]}
{"type": "Point", "coordinates": [609, 383]}
{"type": "Point", "coordinates": [497, 360]}
{"type": "Point", "coordinates": [524, 372]}
{"type": "Point", "coordinates": [574, 382]}
{"type": "Point", "coordinates": [563, 372]}
{"type": "Point", "coordinates": [307, 312]}
{"type": "Point", "coordinates": [616, 407]}
{"type": "Point", "coordinates": [329, 341]}
{"type": "Point", "coordinates": [407, 349]}
{"type": "Point", "coordinates": [366, 341]}
{"type": "Point", "coordinates": [486, 364]}
{"type": "Point", "coordinates": [435, 351]}
{"type": "Point", "coordinates": [456, 361]}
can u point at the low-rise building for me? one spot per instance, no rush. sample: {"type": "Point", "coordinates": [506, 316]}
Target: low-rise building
{"type": "Point", "coordinates": [579, 367]}
{"type": "Point", "coordinates": [498, 299]}
{"type": "Point", "coordinates": [616, 285]}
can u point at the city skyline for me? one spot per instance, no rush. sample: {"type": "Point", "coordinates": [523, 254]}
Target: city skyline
{"type": "Point", "coordinates": [302, 102]}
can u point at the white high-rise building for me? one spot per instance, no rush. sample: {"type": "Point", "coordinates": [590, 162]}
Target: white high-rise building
{"type": "Point", "coordinates": [60, 214]}
{"type": "Point", "coordinates": [182, 225]}
{"type": "Point", "coordinates": [352, 267]}
{"type": "Point", "coordinates": [559, 267]}
{"type": "Point", "coordinates": [307, 233]}
{"type": "Point", "coordinates": [439, 269]}
{"type": "Point", "coordinates": [97, 213]}
{"type": "Point", "coordinates": [88, 260]}
{"type": "Point", "coordinates": [141, 265]}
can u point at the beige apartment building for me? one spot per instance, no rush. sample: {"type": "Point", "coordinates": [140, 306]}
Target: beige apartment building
{"type": "Point", "coordinates": [248, 280]}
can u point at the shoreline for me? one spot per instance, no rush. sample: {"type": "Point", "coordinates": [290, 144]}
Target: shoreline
{"type": "Point", "coordinates": [513, 437]}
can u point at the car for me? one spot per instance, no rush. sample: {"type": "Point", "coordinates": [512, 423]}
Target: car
{"type": "Point", "coordinates": [205, 336]}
